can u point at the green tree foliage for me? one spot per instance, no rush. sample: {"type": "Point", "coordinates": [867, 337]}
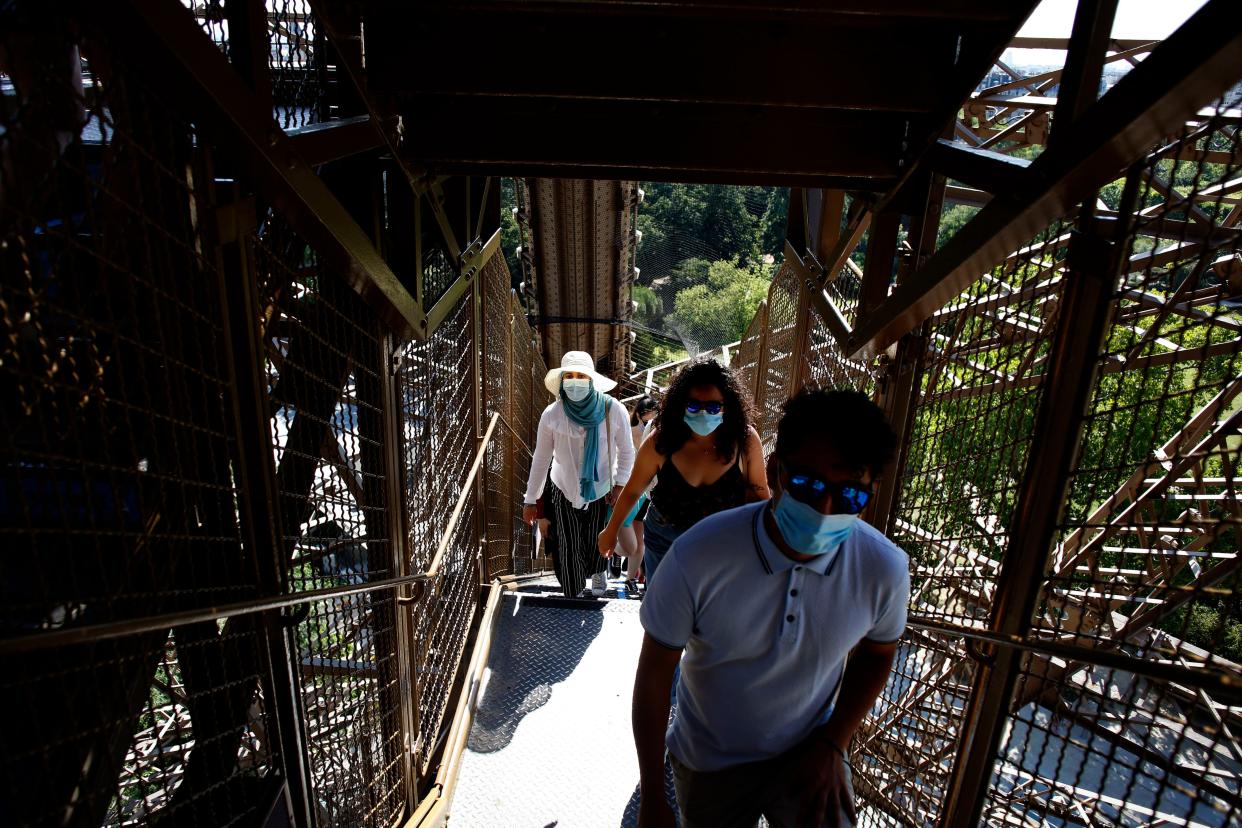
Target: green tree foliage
{"type": "Point", "coordinates": [689, 221]}
{"type": "Point", "coordinates": [952, 220]}
{"type": "Point", "coordinates": [650, 307]}
{"type": "Point", "coordinates": [696, 239]}
{"type": "Point", "coordinates": [719, 309]}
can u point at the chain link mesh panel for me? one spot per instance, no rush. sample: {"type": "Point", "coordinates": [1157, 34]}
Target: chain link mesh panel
{"type": "Point", "coordinates": [297, 63]}
{"type": "Point", "coordinates": [322, 362]}
{"type": "Point", "coordinates": [436, 395]}
{"type": "Point", "coordinates": [746, 361]}
{"type": "Point", "coordinates": [510, 367]}
{"type": "Point", "coordinates": [781, 344]}
{"type": "Point", "coordinates": [966, 453]}
{"type": "Point", "coordinates": [119, 443]}
{"type": "Point", "coordinates": [1146, 563]}
{"type": "Point", "coordinates": [824, 365]}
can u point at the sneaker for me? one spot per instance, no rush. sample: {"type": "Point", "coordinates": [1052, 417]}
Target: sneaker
{"type": "Point", "coordinates": [631, 587]}
{"type": "Point", "coordinates": [599, 584]}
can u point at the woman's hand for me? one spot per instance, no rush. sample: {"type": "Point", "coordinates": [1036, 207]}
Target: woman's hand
{"type": "Point", "coordinates": [607, 542]}
{"type": "Point", "coordinates": [529, 513]}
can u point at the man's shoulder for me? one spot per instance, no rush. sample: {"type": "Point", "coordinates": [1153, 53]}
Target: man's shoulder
{"type": "Point", "coordinates": [879, 551]}
{"type": "Point", "coordinates": [718, 534]}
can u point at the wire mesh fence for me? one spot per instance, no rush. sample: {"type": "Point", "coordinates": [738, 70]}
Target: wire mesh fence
{"type": "Point", "coordinates": [190, 632]}
{"type": "Point", "coordinates": [323, 364]}
{"type": "Point", "coordinates": [298, 63]}
{"type": "Point", "coordinates": [1145, 563]}
{"type": "Point", "coordinates": [1131, 725]}
{"type": "Point", "coordinates": [119, 439]}
{"type": "Point", "coordinates": [513, 389]}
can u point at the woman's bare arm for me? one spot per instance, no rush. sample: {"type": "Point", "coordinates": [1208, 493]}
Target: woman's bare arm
{"type": "Point", "coordinates": [646, 466]}
{"type": "Point", "coordinates": [756, 475]}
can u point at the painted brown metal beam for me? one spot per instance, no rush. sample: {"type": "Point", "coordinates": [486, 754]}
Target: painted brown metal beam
{"type": "Point", "coordinates": [171, 39]}
{"type": "Point", "coordinates": [992, 172]}
{"type": "Point", "coordinates": [1198, 62]}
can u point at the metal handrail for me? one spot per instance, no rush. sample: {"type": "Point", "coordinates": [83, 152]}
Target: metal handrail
{"type": "Point", "coordinates": [432, 809]}
{"type": "Point", "coordinates": [447, 535]}
{"type": "Point", "coordinates": [136, 626]}
{"type": "Point", "coordinates": [1225, 686]}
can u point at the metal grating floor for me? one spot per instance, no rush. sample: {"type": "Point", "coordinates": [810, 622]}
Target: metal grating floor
{"type": "Point", "coordinates": [551, 743]}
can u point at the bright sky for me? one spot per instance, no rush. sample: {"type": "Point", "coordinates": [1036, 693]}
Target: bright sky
{"type": "Point", "coordinates": [1154, 19]}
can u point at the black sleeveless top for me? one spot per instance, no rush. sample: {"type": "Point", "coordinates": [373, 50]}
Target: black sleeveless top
{"type": "Point", "coordinates": [683, 505]}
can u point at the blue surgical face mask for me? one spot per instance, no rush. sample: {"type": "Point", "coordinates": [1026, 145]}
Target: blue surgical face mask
{"type": "Point", "coordinates": [806, 529]}
{"type": "Point", "coordinates": [703, 423]}
{"type": "Point", "coordinates": [576, 390]}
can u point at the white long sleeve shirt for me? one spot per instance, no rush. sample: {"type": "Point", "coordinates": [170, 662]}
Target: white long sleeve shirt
{"type": "Point", "coordinates": [560, 443]}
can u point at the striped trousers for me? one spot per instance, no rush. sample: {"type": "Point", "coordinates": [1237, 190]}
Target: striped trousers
{"type": "Point", "coordinates": [573, 539]}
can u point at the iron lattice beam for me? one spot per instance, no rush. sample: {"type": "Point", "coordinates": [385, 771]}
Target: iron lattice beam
{"type": "Point", "coordinates": [1198, 62]}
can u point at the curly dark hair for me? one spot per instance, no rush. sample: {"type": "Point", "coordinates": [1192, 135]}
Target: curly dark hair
{"type": "Point", "coordinates": [856, 426]}
{"type": "Point", "coordinates": [641, 407]}
{"type": "Point", "coordinates": [738, 412]}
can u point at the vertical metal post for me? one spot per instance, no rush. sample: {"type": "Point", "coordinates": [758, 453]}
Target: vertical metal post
{"type": "Point", "coordinates": [901, 384]}
{"type": "Point", "coordinates": [259, 500]}
{"type": "Point", "coordinates": [878, 267]}
{"type": "Point", "coordinates": [1082, 323]}
{"type": "Point", "coordinates": [398, 531]}
{"type": "Point", "coordinates": [480, 418]}
{"type": "Point", "coordinates": [802, 331]}
{"type": "Point", "coordinates": [761, 361]}
{"type": "Point", "coordinates": [507, 494]}
{"type": "Point", "coordinates": [899, 399]}
{"type": "Point", "coordinates": [829, 225]}
{"type": "Point", "coordinates": [249, 47]}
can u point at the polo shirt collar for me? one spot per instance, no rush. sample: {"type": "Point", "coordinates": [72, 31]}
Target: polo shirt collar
{"type": "Point", "coordinates": [774, 560]}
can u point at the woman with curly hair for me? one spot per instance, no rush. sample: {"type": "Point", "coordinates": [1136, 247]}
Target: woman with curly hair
{"type": "Point", "coordinates": [707, 457]}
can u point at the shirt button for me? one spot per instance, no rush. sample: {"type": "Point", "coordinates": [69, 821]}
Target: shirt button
{"type": "Point", "coordinates": [789, 618]}
{"type": "Point", "coordinates": [794, 593]}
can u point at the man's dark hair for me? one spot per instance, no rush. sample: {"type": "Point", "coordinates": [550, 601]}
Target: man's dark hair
{"type": "Point", "coordinates": [854, 425]}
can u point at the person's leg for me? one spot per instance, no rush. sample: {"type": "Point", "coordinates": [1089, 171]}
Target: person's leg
{"type": "Point", "coordinates": [562, 563]}
{"type": "Point", "coordinates": [780, 803]}
{"type": "Point", "coordinates": [595, 518]}
{"type": "Point", "coordinates": [633, 562]}
{"type": "Point", "coordinates": [626, 546]}
{"type": "Point", "coordinates": [658, 538]}
{"type": "Point", "coordinates": [727, 798]}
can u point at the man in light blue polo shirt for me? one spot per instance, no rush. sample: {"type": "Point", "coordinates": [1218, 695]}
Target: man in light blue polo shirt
{"type": "Point", "coordinates": [788, 613]}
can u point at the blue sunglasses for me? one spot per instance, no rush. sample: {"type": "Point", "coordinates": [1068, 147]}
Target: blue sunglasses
{"type": "Point", "coordinates": [695, 406]}
{"type": "Point", "coordinates": [848, 498]}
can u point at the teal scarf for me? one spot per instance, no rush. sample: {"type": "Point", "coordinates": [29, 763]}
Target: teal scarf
{"type": "Point", "coordinates": [589, 414]}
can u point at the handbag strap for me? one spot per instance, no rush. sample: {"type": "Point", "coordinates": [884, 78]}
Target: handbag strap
{"type": "Point", "coordinates": [608, 428]}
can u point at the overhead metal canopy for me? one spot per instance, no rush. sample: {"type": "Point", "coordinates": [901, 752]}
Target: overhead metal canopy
{"type": "Point", "coordinates": [841, 95]}
{"type": "Point", "coordinates": [581, 268]}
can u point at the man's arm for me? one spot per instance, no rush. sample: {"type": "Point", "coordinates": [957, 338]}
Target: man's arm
{"type": "Point", "coordinates": [823, 788]}
{"type": "Point", "coordinates": [653, 683]}
{"type": "Point", "coordinates": [864, 679]}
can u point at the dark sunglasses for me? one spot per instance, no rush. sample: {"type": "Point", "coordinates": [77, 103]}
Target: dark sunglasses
{"type": "Point", "coordinates": [848, 498]}
{"type": "Point", "coordinates": [695, 406]}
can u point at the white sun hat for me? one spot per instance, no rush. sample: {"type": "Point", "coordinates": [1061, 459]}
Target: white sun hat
{"type": "Point", "coordinates": [581, 362]}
